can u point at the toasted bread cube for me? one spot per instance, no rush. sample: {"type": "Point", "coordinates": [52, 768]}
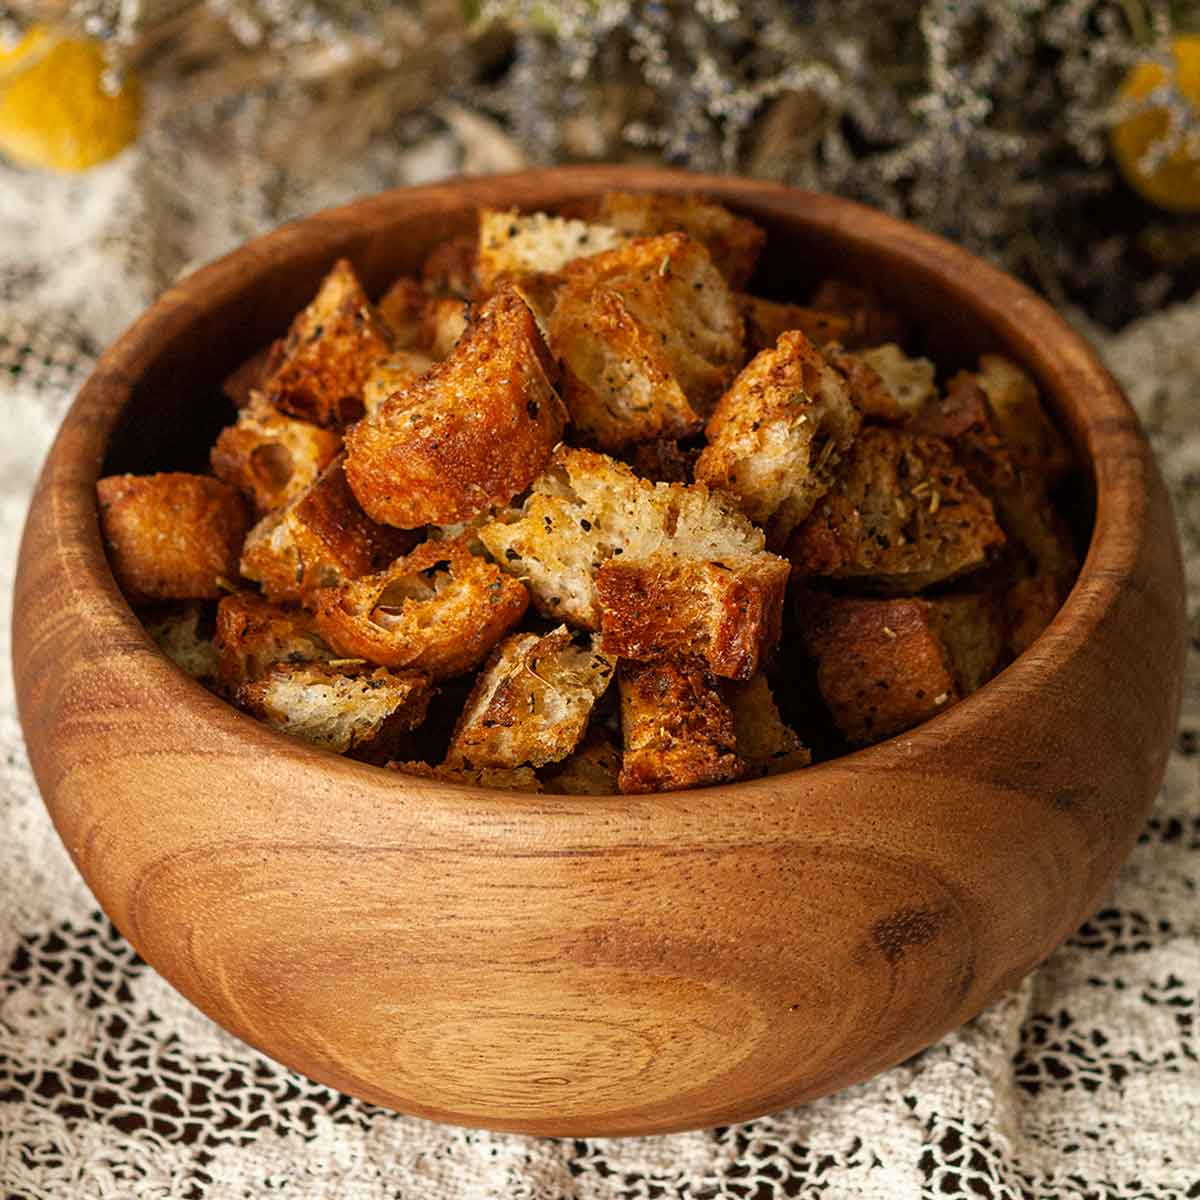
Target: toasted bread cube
{"type": "Point", "coordinates": [441, 609]}
{"type": "Point", "coordinates": [768, 320]}
{"type": "Point", "coordinates": [171, 536]}
{"type": "Point", "coordinates": [450, 268]}
{"type": "Point", "coordinates": [402, 308]}
{"type": "Point", "coordinates": [728, 612]}
{"type": "Point", "coordinates": [871, 322]}
{"type": "Point", "coordinates": [962, 418]}
{"type": "Point", "coordinates": [240, 385]}
{"type": "Point", "coordinates": [616, 381]}
{"type": "Point", "coordinates": [670, 286]}
{"type": "Point", "coordinates": [183, 633]}
{"type": "Point", "coordinates": [270, 457]}
{"type": "Point", "coordinates": [391, 375]}
{"type": "Point", "coordinates": [778, 435]}
{"type": "Point", "coordinates": [319, 540]}
{"type": "Point", "coordinates": [902, 515]}
{"type": "Point", "coordinates": [253, 635]}
{"type": "Point", "coordinates": [531, 702]}
{"type": "Point", "coordinates": [885, 384]}
{"type": "Point", "coordinates": [591, 770]}
{"type": "Point", "coordinates": [512, 245]}
{"type": "Point", "coordinates": [442, 326]}
{"type": "Point", "coordinates": [1019, 418]}
{"type": "Point", "coordinates": [972, 628]}
{"type": "Point", "coordinates": [664, 460]}
{"type": "Point", "coordinates": [589, 508]}
{"type": "Point", "coordinates": [338, 708]}
{"type": "Point", "coordinates": [520, 779]}
{"type": "Point", "coordinates": [764, 743]}
{"type": "Point", "coordinates": [467, 436]}
{"type": "Point", "coordinates": [678, 730]}
{"type": "Point", "coordinates": [328, 352]}
{"type": "Point", "coordinates": [734, 243]}
{"type": "Point", "coordinates": [1030, 605]}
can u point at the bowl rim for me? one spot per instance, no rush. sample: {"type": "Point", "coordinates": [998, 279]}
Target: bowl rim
{"type": "Point", "coordinates": [1102, 424]}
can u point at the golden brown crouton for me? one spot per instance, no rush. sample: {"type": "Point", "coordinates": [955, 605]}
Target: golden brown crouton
{"type": "Point", "coordinates": [871, 322]}
{"type": "Point", "coordinates": [241, 384]}
{"type": "Point", "coordinates": [270, 457]}
{"type": "Point", "coordinates": [443, 323]}
{"type": "Point", "coordinates": [1019, 418]}
{"type": "Point", "coordinates": [402, 308]}
{"type": "Point", "coordinates": [664, 461]}
{"type": "Point", "coordinates": [171, 536]}
{"type": "Point", "coordinates": [734, 243]}
{"type": "Point", "coordinates": [531, 702]}
{"type": "Point", "coordinates": [902, 515]}
{"type": "Point", "coordinates": [328, 352]}
{"type": "Point", "coordinates": [521, 779]}
{"type": "Point", "coordinates": [589, 508]}
{"type": "Point", "coordinates": [512, 245]}
{"type": "Point", "coordinates": [768, 320]}
{"type": "Point", "coordinates": [726, 612]}
{"type": "Point", "coordinates": [338, 708]}
{"type": "Point", "coordinates": [253, 634]}
{"type": "Point", "coordinates": [183, 632]}
{"type": "Point", "coordinates": [669, 285]}
{"type": "Point", "coordinates": [678, 730]}
{"type": "Point", "coordinates": [440, 609]}
{"type": "Point", "coordinates": [764, 743]}
{"type": "Point", "coordinates": [320, 539]}
{"type": "Point", "coordinates": [778, 435]}
{"type": "Point", "coordinates": [885, 384]}
{"type": "Point", "coordinates": [470, 434]}
{"type": "Point", "coordinates": [391, 375]}
{"type": "Point", "coordinates": [450, 268]}
{"type": "Point", "coordinates": [591, 770]}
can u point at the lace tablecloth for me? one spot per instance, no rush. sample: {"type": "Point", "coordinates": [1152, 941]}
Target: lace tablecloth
{"type": "Point", "coordinates": [1082, 1082]}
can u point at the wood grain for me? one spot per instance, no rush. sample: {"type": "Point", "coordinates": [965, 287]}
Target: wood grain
{"type": "Point", "coordinates": [609, 965]}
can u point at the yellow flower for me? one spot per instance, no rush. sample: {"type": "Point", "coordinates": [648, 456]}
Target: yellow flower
{"type": "Point", "coordinates": [54, 112]}
{"type": "Point", "coordinates": [1175, 183]}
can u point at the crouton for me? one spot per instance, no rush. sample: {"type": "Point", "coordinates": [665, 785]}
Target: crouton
{"type": "Point", "coordinates": [253, 635]}
{"type": "Point", "coordinates": [733, 243]}
{"type": "Point", "coordinates": [183, 632]}
{"type": "Point", "coordinates": [885, 384]}
{"type": "Point", "coordinates": [391, 375]}
{"type": "Point", "coordinates": [1030, 605]}
{"type": "Point", "coordinates": [677, 729]}
{"type": "Point", "coordinates": [669, 285]}
{"type": "Point", "coordinates": [468, 435]}
{"type": "Point", "coordinates": [591, 770]}
{"type": "Point", "coordinates": [531, 702]}
{"type": "Point", "coordinates": [727, 612]}
{"type": "Point", "coordinates": [871, 322]}
{"type": "Point", "coordinates": [512, 245]}
{"type": "Point", "coordinates": [1019, 418]}
{"type": "Point", "coordinates": [764, 743]}
{"type": "Point", "coordinates": [318, 540]}
{"type": "Point", "coordinates": [402, 308]}
{"type": "Point", "coordinates": [520, 779]}
{"type": "Point", "coordinates": [272, 458]}
{"type": "Point", "coordinates": [338, 708]}
{"type": "Point", "coordinates": [902, 515]}
{"type": "Point", "coordinates": [241, 384]}
{"type": "Point", "coordinates": [443, 323]}
{"type": "Point", "coordinates": [441, 609]}
{"type": "Point", "coordinates": [767, 320]}
{"type": "Point", "coordinates": [450, 268]}
{"type": "Point", "coordinates": [664, 460]}
{"type": "Point", "coordinates": [778, 435]}
{"type": "Point", "coordinates": [171, 536]}
{"type": "Point", "coordinates": [972, 629]}
{"type": "Point", "coordinates": [588, 508]}
{"type": "Point", "coordinates": [328, 352]}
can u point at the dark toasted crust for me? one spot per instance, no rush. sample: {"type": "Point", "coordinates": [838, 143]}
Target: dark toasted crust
{"type": "Point", "coordinates": [871, 321]}
{"type": "Point", "coordinates": [881, 664]}
{"type": "Point", "coordinates": [767, 320]}
{"type": "Point", "coordinates": [270, 457]}
{"type": "Point", "coordinates": [591, 770]}
{"type": "Point", "coordinates": [1030, 605]}
{"type": "Point", "coordinates": [901, 516]}
{"type": "Point", "coordinates": [171, 536]}
{"type": "Point", "coordinates": [885, 383]}
{"type": "Point", "coordinates": [440, 609]}
{"type": "Point", "coordinates": [677, 729]}
{"type": "Point", "coordinates": [518, 779]}
{"type": "Point", "coordinates": [467, 436]}
{"type": "Point", "coordinates": [402, 308]}
{"type": "Point", "coordinates": [253, 634]}
{"type": "Point", "coordinates": [319, 540]}
{"type": "Point", "coordinates": [962, 418]}
{"type": "Point", "coordinates": [450, 268]}
{"type": "Point", "coordinates": [664, 460]}
{"type": "Point", "coordinates": [733, 243]}
{"type": "Point", "coordinates": [328, 352]}
{"type": "Point", "coordinates": [728, 613]}
{"type": "Point", "coordinates": [764, 743]}
{"type": "Point", "coordinates": [240, 384]}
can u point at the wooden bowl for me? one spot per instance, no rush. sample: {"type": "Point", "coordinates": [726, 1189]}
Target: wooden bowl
{"type": "Point", "coordinates": [578, 965]}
